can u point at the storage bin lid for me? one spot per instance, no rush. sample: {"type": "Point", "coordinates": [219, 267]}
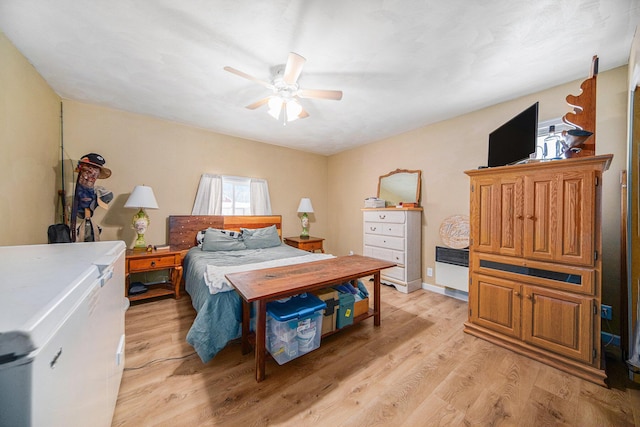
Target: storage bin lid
{"type": "Point", "coordinates": [346, 298]}
{"type": "Point", "coordinates": [295, 307]}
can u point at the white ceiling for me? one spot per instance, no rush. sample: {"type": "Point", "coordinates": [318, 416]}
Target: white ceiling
{"type": "Point", "coordinates": [401, 64]}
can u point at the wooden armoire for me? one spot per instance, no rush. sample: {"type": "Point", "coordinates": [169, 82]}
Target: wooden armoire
{"type": "Point", "coordinates": [535, 262]}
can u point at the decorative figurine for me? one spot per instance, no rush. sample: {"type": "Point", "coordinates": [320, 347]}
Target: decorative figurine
{"type": "Point", "coordinates": [87, 197]}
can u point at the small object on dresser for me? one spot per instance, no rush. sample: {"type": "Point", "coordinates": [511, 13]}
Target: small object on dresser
{"type": "Point", "coordinates": [159, 248]}
{"type": "Point", "coordinates": [374, 202]}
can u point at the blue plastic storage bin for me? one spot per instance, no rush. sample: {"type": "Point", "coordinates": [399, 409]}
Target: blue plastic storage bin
{"type": "Point", "coordinates": [294, 326]}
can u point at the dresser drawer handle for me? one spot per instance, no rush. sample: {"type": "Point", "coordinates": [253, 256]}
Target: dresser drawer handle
{"type": "Point", "coordinates": [382, 216]}
{"type": "Point", "coordinates": [373, 228]}
{"type": "Point", "coordinates": [153, 263]}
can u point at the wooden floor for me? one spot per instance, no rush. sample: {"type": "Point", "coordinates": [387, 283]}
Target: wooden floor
{"type": "Point", "coordinates": [417, 369]}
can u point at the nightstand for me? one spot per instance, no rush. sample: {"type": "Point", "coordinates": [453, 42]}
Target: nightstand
{"type": "Point", "coordinates": [142, 262]}
{"type": "Point", "coordinates": [310, 244]}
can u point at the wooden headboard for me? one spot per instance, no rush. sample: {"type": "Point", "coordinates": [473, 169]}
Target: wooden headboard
{"type": "Point", "coordinates": [183, 228]}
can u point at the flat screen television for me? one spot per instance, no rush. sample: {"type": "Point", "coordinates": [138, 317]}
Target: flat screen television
{"type": "Point", "coordinates": [514, 140]}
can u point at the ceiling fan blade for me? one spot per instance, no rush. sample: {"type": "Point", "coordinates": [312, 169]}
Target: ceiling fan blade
{"type": "Point", "coordinates": [258, 103]}
{"type": "Point", "coordinates": [293, 68]}
{"type": "Point", "coordinates": [320, 94]}
{"type": "Point", "coordinates": [303, 114]}
{"type": "Point", "coordinates": [248, 77]}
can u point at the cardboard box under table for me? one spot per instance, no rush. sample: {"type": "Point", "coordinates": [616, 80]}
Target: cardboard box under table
{"type": "Point", "coordinates": [330, 297]}
{"type": "Point", "coordinates": [360, 307]}
{"type": "Point", "coordinates": [294, 326]}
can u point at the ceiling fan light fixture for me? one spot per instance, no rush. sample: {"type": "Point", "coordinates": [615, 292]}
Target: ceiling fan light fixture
{"type": "Point", "coordinates": [284, 102]}
{"type": "Point", "coordinates": [293, 110]}
{"type": "Point", "coordinates": [275, 107]}
{"type": "Point", "coordinates": [287, 109]}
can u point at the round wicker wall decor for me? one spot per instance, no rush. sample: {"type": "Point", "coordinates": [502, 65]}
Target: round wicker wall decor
{"type": "Point", "coordinates": [454, 231]}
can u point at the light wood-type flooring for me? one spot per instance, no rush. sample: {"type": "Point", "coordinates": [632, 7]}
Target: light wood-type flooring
{"type": "Point", "coordinates": [417, 369]}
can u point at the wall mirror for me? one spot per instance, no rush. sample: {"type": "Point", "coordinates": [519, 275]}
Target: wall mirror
{"type": "Point", "coordinates": [400, 186]}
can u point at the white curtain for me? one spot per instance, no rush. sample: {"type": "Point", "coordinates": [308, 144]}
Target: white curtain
{"type": "Point", "coordinates": [260, 201]}
{"type": "Point", "coordinates": [209, 196]}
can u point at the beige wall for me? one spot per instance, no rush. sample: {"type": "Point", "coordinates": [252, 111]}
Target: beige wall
{"type": "Point", "coordinates": [29, 149]}
{"type": "Point", "coordinates": [170, 158]}
{"type": "Point", "coordinates": [443, 152]}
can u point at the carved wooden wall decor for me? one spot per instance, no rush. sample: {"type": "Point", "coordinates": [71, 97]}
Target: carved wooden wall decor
{"type": "Point", "coordinates": [583, 115]}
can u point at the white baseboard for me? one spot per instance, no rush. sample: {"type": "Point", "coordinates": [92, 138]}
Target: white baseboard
{"type": "Point", "coordinates": [453, 293]}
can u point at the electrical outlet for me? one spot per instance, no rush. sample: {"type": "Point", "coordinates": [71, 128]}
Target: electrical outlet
{"type": "Point", "coordinates": [605, 311]}
{"type": "Point", "coordinates": [429, 271]}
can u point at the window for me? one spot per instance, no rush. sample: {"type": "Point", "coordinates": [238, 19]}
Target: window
{"type": "Point", "coordinates": [236, 196]}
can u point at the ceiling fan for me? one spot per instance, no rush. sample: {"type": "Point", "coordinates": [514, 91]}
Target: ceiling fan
{"type": "Point", "coordinates": [284, 102]}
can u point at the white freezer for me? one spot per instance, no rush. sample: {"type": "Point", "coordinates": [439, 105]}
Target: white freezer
{"type": "Point", "coordinates": [62, 312]}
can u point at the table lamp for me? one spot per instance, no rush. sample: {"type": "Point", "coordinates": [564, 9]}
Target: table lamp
{"type": "Point", "coordinates": [141, 198]}
{"type": "Point", "coordinates": [305, 207]}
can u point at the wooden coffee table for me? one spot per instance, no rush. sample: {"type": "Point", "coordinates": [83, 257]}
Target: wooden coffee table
{"type": "Point", "coordinates": [279, 282]}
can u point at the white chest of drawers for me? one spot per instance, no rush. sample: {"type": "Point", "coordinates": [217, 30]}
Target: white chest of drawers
{"type": "Point", "coordinates": [394, 234]}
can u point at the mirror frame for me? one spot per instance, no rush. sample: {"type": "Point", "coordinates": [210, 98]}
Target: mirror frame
{"type": "Point", "coordinates": [404, 171]}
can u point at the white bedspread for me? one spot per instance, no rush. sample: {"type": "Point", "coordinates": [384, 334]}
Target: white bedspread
{"type": "Point", "coordinates": [214, 275]}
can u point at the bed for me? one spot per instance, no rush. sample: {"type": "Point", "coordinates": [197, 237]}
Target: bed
{"type": "Point", "coordinates": [218, 306]}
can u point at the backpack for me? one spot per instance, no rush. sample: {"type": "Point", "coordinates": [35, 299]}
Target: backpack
{"type": "Point", "coordinates": [59, 233]}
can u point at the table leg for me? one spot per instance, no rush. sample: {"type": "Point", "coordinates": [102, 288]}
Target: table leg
{"type": "Point", "coordinates": [177, 277]}
{"type": "Point", "coordinates": [246, 323]}
{"type": "Point", "coordinates": [376, 298]}
{"type": "Point", "coordinates": [261, 326]}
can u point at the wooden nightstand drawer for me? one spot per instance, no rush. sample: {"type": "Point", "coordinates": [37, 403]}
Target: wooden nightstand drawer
{"type": "Point", "coordinates": [310, 244]}
{"type": "Point", "coordinates": [150, 263]}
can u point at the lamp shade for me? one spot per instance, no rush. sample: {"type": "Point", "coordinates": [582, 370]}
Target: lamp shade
{"type": "Point", "coordinates": [275, 107]}
{"type": "Point", "coordinates": [142, 197]}
{"type": "Point", "coordinates": [305, 205]}
{"type": "Point", "coordinates": [293, 110]}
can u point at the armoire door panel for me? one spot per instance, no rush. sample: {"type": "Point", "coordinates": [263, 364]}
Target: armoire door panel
{"type": "Point", "coordinates": [510, 221]}
{"type": "Point", "coordinates": [483, 236]}
{"type": "Point", "coordinates": [575, 232]}
{"type": "Point", "coordinates": [540, 215]}
{"type": "Point", "coordinates": [496, 304]}
{"type": "Point", "coordinates": [558, 322]}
